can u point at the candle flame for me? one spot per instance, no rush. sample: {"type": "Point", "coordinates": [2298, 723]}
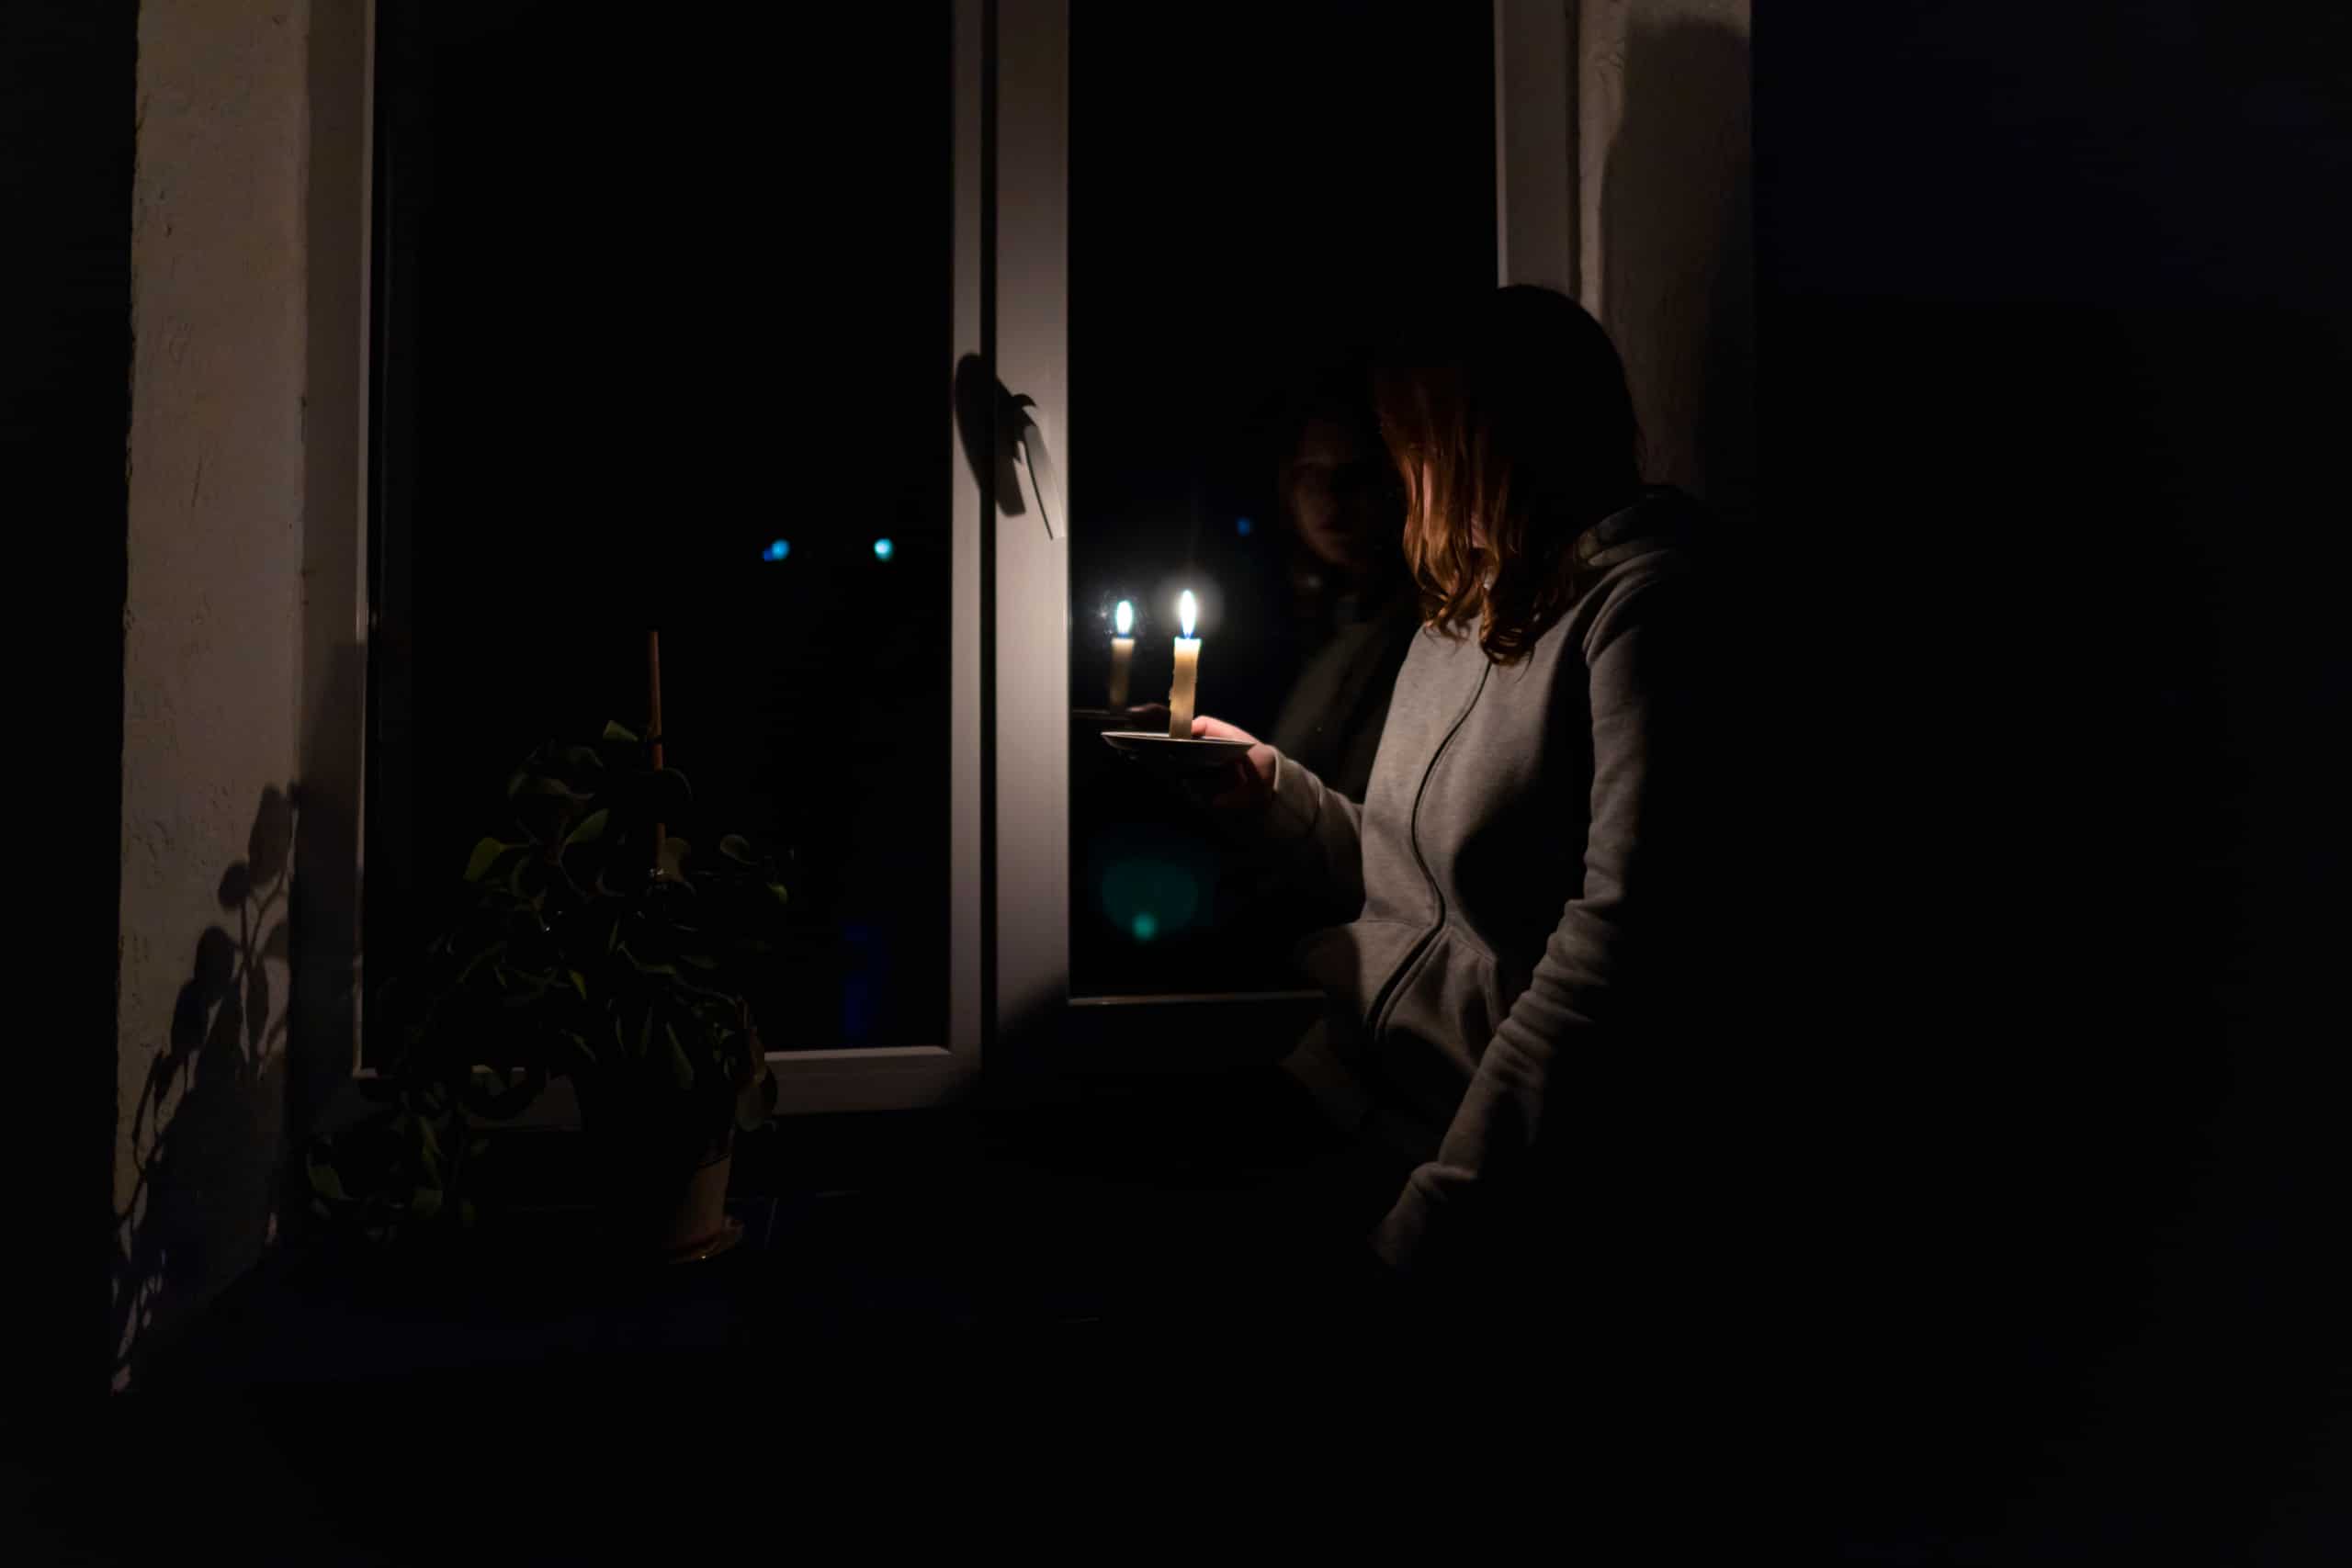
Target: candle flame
{"type": "Point", "coordinates": [1122, 619]}
{"type": "Point", "coordinates": [1185, 611]}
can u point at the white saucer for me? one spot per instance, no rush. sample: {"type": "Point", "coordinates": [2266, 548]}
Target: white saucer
{"type": "Point", "coordinates": [1199, 755]}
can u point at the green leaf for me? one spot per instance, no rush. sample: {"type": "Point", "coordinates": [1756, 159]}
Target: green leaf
{"type": "Point", "coordinates": [327, 1184]}
{"type": "Point", "coordinates": [485, 856]}
{"type": "Point", "coordinates": [424, 1202]}
{"type": "Point", "coordinates": [580, 984]}
{"type": "Point", "coordinates": [614, 731]}
{"type": "Point", "coordinates": [678, 1061]}
{"type": "Point", "coordinates": [734, 846]}
{"type": "Point", "coordinates": [781, 896]}
{"type": "Point", "coordinates": [592, 827]}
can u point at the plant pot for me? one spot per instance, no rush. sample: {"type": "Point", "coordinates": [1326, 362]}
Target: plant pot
{"type": "Point", "coordinates": [659, 1205]}
{"type": "Point", "coordinates": [696, 1225]}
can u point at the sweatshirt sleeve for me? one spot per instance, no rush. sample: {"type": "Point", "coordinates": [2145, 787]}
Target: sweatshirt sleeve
{"type": "Point", "coordinates": [1592, 995]}
{"type": "Point", "coordinates": [1317, 830]}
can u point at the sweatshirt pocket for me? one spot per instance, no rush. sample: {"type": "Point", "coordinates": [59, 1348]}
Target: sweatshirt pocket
{"type": "Point", "coordinates": [1445, 1010]}
{"type": "Point", "coordinates": [1351, 963]}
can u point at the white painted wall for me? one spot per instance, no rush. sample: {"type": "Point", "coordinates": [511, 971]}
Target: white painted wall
{"type": "Point", "coordinates": [213, 627]}
{"type": "Point", "coordinates": [1665, 228]}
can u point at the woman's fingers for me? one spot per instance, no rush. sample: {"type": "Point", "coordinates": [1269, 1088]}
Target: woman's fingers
{"type": "Point", "coordinates": [1259, 761]}
{"type": "Point", "coordinates": [1230, 791]}
{"type": "Point", "coordinates": [1253, 776]}
{"type": "Point", "coordinates": [1227, 788]}
{"type": "Point", "coordinates": [1205, 728]}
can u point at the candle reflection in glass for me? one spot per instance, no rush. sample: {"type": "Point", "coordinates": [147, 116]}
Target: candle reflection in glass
{"type": "Point", "coordinates": [1122, 651]}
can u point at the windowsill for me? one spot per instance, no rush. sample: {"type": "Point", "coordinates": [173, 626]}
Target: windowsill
{"type": "Point", "coordinates": [1091, 1205]}
{"type": "Point", "coordinates": [1100, 1036]}
{"type": "Point", "coordinates": [1110, 1051]}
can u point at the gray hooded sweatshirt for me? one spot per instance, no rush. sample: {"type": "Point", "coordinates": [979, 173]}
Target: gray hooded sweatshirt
{"type": "Point", "coordinates": [1527, 859]}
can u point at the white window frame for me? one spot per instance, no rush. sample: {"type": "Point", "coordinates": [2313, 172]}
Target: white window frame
{"type": "Point", "coordinates": [1008, 798]}
{"type": "Point", "coordinates": [836, 1079]}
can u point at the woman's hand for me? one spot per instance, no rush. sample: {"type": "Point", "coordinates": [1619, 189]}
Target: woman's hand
{"type": "Point", "coordinates": [1250, 787]}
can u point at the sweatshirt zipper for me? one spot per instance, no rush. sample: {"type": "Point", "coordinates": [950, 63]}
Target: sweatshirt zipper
{"type": "Point", "coordinates": [1387, 999]}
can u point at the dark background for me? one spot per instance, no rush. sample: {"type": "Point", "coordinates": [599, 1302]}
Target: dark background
{"type": "Point", "coordinates": [2053, 348]}
{"type": "Point", "coordinates": [65, 160]}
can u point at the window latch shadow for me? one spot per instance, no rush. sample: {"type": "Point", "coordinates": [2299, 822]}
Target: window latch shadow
{"type": "Point", "coordinates": [1001, 438]}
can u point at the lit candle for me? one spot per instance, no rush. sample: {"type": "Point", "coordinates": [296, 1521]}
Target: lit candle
{"type": "Point", "coordinates": [1123, 650]}
{"type": "Point", "coordinates": [1188, 670]}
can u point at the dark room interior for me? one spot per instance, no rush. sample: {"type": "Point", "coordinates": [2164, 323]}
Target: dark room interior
{"type": "Point", "coordinates": [663, 640]}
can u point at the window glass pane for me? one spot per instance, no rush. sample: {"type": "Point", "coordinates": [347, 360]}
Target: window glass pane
{"type": "Point", "coordinates": [655, 348]}
{"type": "Point", "coordinates": [1254, 196]}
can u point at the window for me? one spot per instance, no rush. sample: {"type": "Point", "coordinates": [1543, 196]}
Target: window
{"type": "Point", "coordinates": [665, 320]}
{"type": "Point", "coordinates": [1253, 197]}
{"type": "Point", "coordinates": [664, 317]}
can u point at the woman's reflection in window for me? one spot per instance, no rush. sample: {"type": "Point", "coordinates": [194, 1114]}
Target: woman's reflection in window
{"type": "Point", "coordinates": [1350, 589]}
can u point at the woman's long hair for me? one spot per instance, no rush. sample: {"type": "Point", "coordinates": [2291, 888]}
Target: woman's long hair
{"type": "Point", "coordinates": [1512, 429]}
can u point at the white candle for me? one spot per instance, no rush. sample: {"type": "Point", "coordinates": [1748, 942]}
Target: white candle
{"type": "Point", "coordinates": [1123, 650]}
{"type": "Point", "coordinates": [1188, 670]}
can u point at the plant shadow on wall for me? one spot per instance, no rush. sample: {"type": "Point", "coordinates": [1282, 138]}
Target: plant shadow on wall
{"type": "Point", "coordinates": [205, 1132]}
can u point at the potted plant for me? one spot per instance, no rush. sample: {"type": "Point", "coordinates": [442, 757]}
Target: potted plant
{"type": "Point", "coordinates": [587, 942]}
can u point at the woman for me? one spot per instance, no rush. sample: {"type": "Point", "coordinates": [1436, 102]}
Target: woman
{"type": "Point", "coordinates": [1531, 856]}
